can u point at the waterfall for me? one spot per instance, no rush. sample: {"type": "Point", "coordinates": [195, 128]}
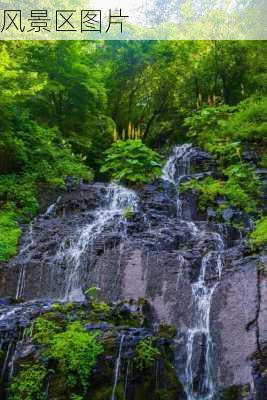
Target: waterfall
{"type": "Point", "coordinates": [28, 244]}
{"type": "Point", "coordinates": [202, 292]}
{"type": "Point", "coordinates": [176, 168]}
{"type": "Point", "coordinates": [117, 369]}
{"type": "Point", "coordinates": [22, 271]}
{"type": "Point", "coordinates": [202, 388]}
{"type": "Point", "coordinates": [118, 200]}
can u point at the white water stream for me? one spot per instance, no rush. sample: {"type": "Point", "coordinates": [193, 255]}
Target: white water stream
{"type": "Point", "coordinates": [117, 202]}
{"type": "Point", "coordinates": [175, 170]}
{"type": "Point", "coordinates": [28, 244]}
{"type": "Point", "coordinates": [117, 369]}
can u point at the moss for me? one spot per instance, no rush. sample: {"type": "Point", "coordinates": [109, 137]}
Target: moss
{"type": "Point", "coordinates": [239, 187]}
{"type": "Point", "coordinates": [76, 367]}
{"type": "Point", "coordinates": [258, 237]}
{"type": "Point", "coordinates": [99, 311]}
{"type": "Point", "coordinates": [105, 393]}
{"type": "Point", "coordinates": [128, 213]}
{"type": "Point", "coordinates": [234, 393]}
{"type": "Point", "coordinates": [63, 308]}
{"type": "Point", "coordinates": [146, 354]}
{"type": "Point", "coordinates": [167, 331]}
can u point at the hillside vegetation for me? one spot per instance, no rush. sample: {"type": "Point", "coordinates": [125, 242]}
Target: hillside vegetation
{"type": "Point", "coordinates": [66, 109]}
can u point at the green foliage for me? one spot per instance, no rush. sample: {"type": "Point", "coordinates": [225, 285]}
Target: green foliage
{"type": "Point", "coordinates": [29, 384]}
{"type": "Point", "coordinates": [61, 102]}
{"type": "Point", "coordinates": [63, 308]}
{"type": "Point", "coordinates": [132, 161]}
{"type": "Point", "coordinates": [258, 237]}
{"type": "Point", "coordinates": [76, 397]}
{"type": "Point", "coordinates": [9, 235]}
{"type": "Point", "coordinates": [239, 188]}
{"type": "Point", "coordinates": [19, 193]}
{"type": "Point", "coordinates": [44, 330]}
{"type": "Point", "coordinates": [76, 351]}
{"type": "Point", "coordinates": [128, 212]}
{"type": "Point", "coordinates": [146, 354]}
{"type": "Point", "coordinates": [209, 189]}
{"type": "Point", "coordinates": [223, 129]}
{"type": "Point", "coordinates": [93, 293]}
{"type": "Point", "coordinates": [242, 186]}
{"type": "Point", "coordinates": [45, 161]}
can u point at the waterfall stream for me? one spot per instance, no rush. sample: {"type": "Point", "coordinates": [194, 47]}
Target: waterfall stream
{"type": "Point", "coordinates": [177, 168]}
{"type": "Point", "coordinates": [27, 245]}
{"type": "Point", "coordinates": [117, 202]}
{"type": "Point", "coordinates": [199, 333]}
{"type": "Point", "coordinates": [117, 369]}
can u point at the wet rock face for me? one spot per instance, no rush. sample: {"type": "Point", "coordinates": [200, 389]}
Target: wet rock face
{"type": "Point", "coordinates": [120, 327]}
{"type": "Point", "coordinates": [156, 254]}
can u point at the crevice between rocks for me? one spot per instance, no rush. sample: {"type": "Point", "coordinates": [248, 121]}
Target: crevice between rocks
{"type": "Point", "coordinates": [255, 321]}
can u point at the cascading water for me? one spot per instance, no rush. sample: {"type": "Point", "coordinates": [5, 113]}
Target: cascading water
{"type": "Point", "coordinates": [202, 296]}
{"type": "Point", "coordinates": [117, 369]}
{"type": "Point", "coordinates": [202, 388]}
{"type": "Point", "coordinates": [28, 244]}
{"type": "Point", "coordinates": [117, 202]}
{"type": "Point", "coordinates": [177, 168]}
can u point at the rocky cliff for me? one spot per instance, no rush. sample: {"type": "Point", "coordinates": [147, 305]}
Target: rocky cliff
{"type": "Point", "coordinates": [152, 243]}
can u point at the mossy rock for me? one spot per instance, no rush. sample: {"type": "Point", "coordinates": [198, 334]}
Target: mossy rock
{"type": "Point", "coordinates": [105, 393]}
{"type": "Point", "coordinates": [167, 331]}
{"type": "Point", "coordinates": [235, 392]}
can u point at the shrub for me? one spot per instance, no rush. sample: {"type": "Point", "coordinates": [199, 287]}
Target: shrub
{"type": "Point", "coordinates": [258, 237]}
{"type": "Point", "coordinates": [44, 330]}
{"type": "Point", "coordinates": [132, 161]}
{"type": "Point", "coordinates": [9, 235]}
{"type": "Point", "coordinates": [224, 125]}
{"type": "Point", "coordinates": [93, 293]}
{"type": "Point", "coordinates": [29, 384]}
{"type": "Point", "coordinates": [146, 354]}
{"type": "Point", "coordinates": [239, 186]}
{"type": "Point", "coordinates": [76, 351]}
{"type": "Point", "coordinates": [46, 159]}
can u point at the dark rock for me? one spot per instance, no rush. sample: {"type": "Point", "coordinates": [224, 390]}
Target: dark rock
{"type": "Point", "coordinates": [101, 326]}
{"type": "Point", "coordinates": [228, 214]}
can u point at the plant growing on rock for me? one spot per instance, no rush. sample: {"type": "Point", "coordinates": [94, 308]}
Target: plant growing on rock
{"type": "Point", "coordinates": [146, 354]}
{"type": "Point", "coordinates": [98, 307]}
{"type": "Point", "coordinates": [93, 293]}
{"type": "Point", "coordinates": [29, 384]}
{"type": "Point", "coordinates": [128, 212]}
{"type": "Point", "coordinates": [76, 351]}
{"type": "Point", "coordinates": [258, 237]}
{"type": "Point", "coordinates": [44, 330]}
{"type": "Point", "coordinates": [239, 187]}
{"type": "Point", "coordinates": [132, 161]}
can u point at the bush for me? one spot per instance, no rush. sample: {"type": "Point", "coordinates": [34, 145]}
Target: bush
{"type": "Point", "coordinates": [258, 237]}
{"type": "Point", "coordinates": [213, 127]}
{"type": "Point", "coordinates": [44, 330]}
{"type": "Point", "coordinates": [76, 351]}
{"type": "Point", "coordinates": [29, 384]}
{"type": "Point", "coordinates": [9, 235]}
{"type": "Point", "coordinates": [132, 161]}
{"type": "Point", "coordinates": [239, 186]}
{"type": "Point", "coordinates": [146, 354]}
{"type": "Point", "coordinates": [32, 155]}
